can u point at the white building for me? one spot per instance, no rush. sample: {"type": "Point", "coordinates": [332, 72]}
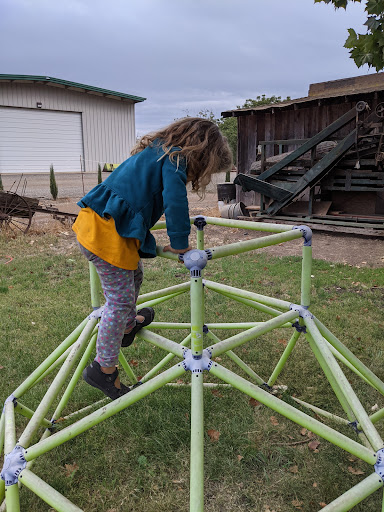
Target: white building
{"type": "Point", "coordinates": [74, 127]}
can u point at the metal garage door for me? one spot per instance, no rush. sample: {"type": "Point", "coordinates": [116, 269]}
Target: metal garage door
{"type": "Point", "coordinates": [31, 140]}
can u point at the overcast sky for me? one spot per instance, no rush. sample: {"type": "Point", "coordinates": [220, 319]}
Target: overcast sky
{"type": "Point", "coordinates": [182, 55]}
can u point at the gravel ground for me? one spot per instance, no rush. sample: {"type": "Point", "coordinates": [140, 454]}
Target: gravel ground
{"type": "Point", "coordinates": [348, 249]}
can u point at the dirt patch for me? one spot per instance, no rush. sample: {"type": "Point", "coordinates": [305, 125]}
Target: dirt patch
{"type": "Point", "coordinates": [339, 248]}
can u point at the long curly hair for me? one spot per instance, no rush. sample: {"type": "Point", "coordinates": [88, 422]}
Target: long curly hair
{"type": "Point", "coordinates": [198, 143]}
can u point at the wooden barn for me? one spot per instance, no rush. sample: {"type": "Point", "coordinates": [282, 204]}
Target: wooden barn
{"type": "Point", "coordinates": [318, 158]}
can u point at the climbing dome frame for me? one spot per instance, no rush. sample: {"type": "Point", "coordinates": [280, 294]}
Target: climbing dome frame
{"type": "Point", "coordinates": [73, 354]}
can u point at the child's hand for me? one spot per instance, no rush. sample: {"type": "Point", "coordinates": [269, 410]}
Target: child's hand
{"type": "Point", "coordinates": [168, 248]}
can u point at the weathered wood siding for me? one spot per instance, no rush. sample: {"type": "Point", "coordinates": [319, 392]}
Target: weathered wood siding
{"type": "Point", "coordinates": [108, 124]}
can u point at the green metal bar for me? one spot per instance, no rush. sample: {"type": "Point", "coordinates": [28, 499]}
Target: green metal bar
{"type": "Point", "coordinates": [154, 302]}
{"type": "Point", "coordinates": [2, 492]}
{"type": "Point", "coordinates": [28, 413]}
{"type": "Point", "coordinates": [345, 361]}
{"type": "Point", "coordinates": [161, 293]}
{"type": "Point", "coordinates": [368, 374]}
{"type": "Point", "coordinates": [53, 367]}
{"type": "Point", "coordinates": [56, 385]}
{"type": "Point", "coordinates": [30, 381]}
{"type": "Point", "coordinates": [251, 303]}
{"type": "Point", "coordinates": [236, 359]}
{"type": "Point", "coordinates": [75, 378]}
{"type": "Point", "coordinates": [322, 412]}
{"type": "Point", "coordinates": [287, 352]}
{"type": "Point", "coordinates": [244, 224]}
{"type": "Point", "coordinates": [47, 493]}
{"type": "Point", "coordinates": [255, 243]}
{"type": "Point", "coordinates": [263, 299]}
{"type": "Point", "coordinates": [104, 412]}
{"type": "Point", "coordinates": [161, 342]}
{"type": "Point", "coordinates": [355, 495]}
{"type": "Point", "coordinates": [164, 361]}
{"type": "Point", "coordinates": [197, 399]}
{"type": "Point", "coordinates": [197, 444]}
{"type": "Point", "coordinates": [306, 271]}
{"type": "Point", "coordinates": [377, 416]}
{"type": "Point", "coordinates": [339, 392]}
{"type": "Point", "coordinates": [96, 291]}
{"type": "Point", "coordinates": [200, 239]}
{"type": "Point", "coordinates": [12, 499]}
{"type": "Point", "coordinates": [168, 255]}
{"type": "Point", "coordinates": [361, 416]}
{"type": "Point", "coordinates": [2, 430]}
{"type": "Point", "coordinates": [243, 337]}
{"type": "Point", "coordinates": [11, 491]}
{"type": "Point", "coordinates": [294, 414]}
{"type": "Point", "coordinates": [127, 368]}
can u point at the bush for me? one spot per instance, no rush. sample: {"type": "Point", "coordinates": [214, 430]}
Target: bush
{"type": "Point", "coordinates": [52, 183]}
{"type": "Point", "coordinates": [1, 183]}
{"type": "Point", "coordinates": [99, 175]}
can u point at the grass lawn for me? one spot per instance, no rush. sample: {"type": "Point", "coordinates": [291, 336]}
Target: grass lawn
{"type": "Point", "coordinates": [138, 460]}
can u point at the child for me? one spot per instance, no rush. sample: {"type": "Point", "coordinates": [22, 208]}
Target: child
{"type": "Point", "coordinates": [113, 227]}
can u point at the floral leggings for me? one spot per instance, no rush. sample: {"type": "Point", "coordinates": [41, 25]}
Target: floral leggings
{"type": "Point", "coordinates": [121, 288]}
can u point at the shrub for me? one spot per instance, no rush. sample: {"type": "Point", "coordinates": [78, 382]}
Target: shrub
{"type": "Point", "coordinates": [1, 183]}
{"type": "Point", "coordinates": [52, 183]}
{"type": "Point", "coordinates": [99, 175]}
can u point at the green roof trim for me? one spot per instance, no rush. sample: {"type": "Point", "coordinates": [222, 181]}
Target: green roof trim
{"type": "Point", "coordinates": [67, 83]}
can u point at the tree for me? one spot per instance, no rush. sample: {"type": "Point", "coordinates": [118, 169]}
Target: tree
{"type": "Point", "coordinates": [366, 48]}
{"type": "Point", "coordinates": [52, 183]}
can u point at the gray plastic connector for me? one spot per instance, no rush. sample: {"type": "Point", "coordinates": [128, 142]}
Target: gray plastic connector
{"type": "Point", "coordinates": [96, 313]}
{"type": "Point", "coordinates": [379, 466]}
{"type": "Point", "coordinates": [195, 261]}
{"type": "Point", "coordinates": [11, 398]}
{"type": "Point", "coordinates": [303, 310]}
{"type": "Point", "coordinates": [307, 234]}
{"type": "Point", "coordinates": [197, 364]}
{"type": "Point", "coordinates": [14, 463]}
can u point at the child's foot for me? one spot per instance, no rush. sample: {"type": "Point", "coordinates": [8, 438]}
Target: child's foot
{"type": "Point", "coordinates": [148, 314]}
{"type": "Point", "coordinates": [106, 382]}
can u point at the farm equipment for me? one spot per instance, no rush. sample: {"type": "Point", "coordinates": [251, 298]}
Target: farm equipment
{"type": "Point", "coordinates": [327, 166]}
{"type": "Point", "coordinates": [16, 212]}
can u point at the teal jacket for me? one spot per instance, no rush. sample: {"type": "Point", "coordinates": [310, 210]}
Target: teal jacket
{"type": "Point", "coordinates": [137, 194]}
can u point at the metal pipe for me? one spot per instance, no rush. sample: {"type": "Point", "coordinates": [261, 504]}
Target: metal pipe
{"type": "Point", "coordinates": [287, 352]}
{"type": "Point", "coordinates": [244, 224]}
{"type": "Point", "coordinates": [243, 337]}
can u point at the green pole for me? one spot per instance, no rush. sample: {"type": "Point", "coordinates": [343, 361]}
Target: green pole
{"type": "Point", "coordinates": [200, 239]}
{"type": "Point", "coordinates": [243, 337]}
{"type": "Point", "coordinates": [377, 416]}
{"type": "Point", "coordinates": [339, 392]}
{"type": "Point", "coordinates": [244, 224]}
{"type": "Point", "coordinates": [12, 491]}
{"type": "Point", "coordinates": [103, 413]}
{"type": "Point", "coordinates": [287, 352]}
{"type": "Point", "coordinates": [75, 378]}
{"type": "Point", "coordinates": [294, 414]}
{"type": "Point", "coordinates": [255, 243]}
{"type": "Point", "coordinates": [162, 293]}
{"type": "Point", "coordinates": [306, 270]}
{"type": "Point", "coordinates": [30, 381]}
{"type": "Point", "coordinates": [28, 413]}
{"type": "Point", "coordinates": [164, 361]}
{"type": "Point", "coordinates": [56, 385]}
{"type": "Point", "coordinates": [321, 412]}
{"type": "Point", "coordinates": [126, 367]}
{"type": "Point", "coordinates": [253, 304]}
{"type": "Point", "coordinates": [355, 495]}
{"type": "Point", "coordinates": [161, 342]}
{"type": "Point", "coordinates": [95, 284]}
{"type": "Point", "coordinates": [236, 359]}
{"type": "Point", "coordinates": [359, 412]}
{"type": "Point", "coordinates": [263, 299]}
{"type": "Point", "coordinates": [368, 374]}
{"type": "Point", "coordinates": [197, 401]}
{"type": "Point", "coordinates": [47, 493]}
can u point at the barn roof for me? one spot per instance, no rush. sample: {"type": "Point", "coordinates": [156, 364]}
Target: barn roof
{"type": "Point", "coordinates": [66, 84]}
{"type": "Point", "coordinates": [350, 87]}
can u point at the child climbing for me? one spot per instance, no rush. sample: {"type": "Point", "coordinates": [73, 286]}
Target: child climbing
{"type": "Point", "coordinates": [113, 228]}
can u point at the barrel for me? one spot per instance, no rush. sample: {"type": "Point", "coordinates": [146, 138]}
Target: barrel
{"type": "Point", "coordinates": [226, 192]}
{"type": "Point", "coordinates": [233, 211]}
